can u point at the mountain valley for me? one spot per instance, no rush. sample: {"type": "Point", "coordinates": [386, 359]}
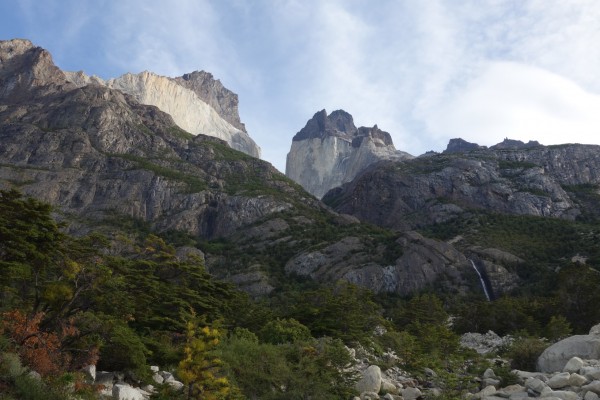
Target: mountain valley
{"type": "Point", "coordinates": [136, 209]}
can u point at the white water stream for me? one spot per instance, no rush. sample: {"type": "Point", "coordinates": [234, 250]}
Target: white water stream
{"type": "Point", "coordinates": [483, 285]}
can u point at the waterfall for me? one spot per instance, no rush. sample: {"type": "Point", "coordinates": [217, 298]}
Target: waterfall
{"type": "Point", "coordinates": [483, 285]}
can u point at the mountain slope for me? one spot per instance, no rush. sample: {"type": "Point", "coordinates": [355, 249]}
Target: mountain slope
{"type": "Point", "coordinates": [99, 155]}
{"type": "Point", "coordinates": [198, 103]}
{"type": "Point", "coordinates": [434, 188]}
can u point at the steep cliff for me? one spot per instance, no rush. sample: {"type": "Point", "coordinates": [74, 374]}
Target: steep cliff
{"type": "Point", "coordinates": [100, 157]}
{"type": "Point", "coordinates": [95, 151]}
{"type": "Point", "coordinates": [512, 177]}
{"type": "Point", "coordinates": [198, 103]}
{"type": "Point", "coordinates": [330, 150]}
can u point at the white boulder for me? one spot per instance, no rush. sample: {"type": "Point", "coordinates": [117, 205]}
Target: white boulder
{"type": "Point", "coordinates": [370, 381]}
{"type": "Point", "coordinates": [122, 391]}
{"type": "Point", "coordinates": [555, 357]}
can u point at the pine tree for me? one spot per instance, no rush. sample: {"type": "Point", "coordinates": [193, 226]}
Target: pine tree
{"type": "Point", "coordinates": [200, 367]}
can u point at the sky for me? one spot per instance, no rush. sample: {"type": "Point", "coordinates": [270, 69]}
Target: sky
{"type": "Point", "coordinates": [425, 71]}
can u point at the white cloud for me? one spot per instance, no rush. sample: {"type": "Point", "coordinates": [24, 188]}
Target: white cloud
{"type": "Point", "coordinates": [417, 69]}
{"type": "Point", "coordinates": [520, 102]}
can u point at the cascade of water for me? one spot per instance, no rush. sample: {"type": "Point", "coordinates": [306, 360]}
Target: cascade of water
{"type": "Point", "coordinates": [483, 285]}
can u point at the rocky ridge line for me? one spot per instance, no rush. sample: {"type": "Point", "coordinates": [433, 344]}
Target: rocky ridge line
{"type": "Point", "coordinates": [197, 102]}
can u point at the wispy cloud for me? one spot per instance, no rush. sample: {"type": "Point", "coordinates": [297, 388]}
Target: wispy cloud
{"type": "Point", "coordinates": [520, 102]}
{"type": "Point", "coordinates": [425, 71]}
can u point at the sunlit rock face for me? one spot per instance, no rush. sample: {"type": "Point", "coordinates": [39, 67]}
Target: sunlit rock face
{"type": "Point", "coordinates": [197, 102]}
{"type": "Point", "coordinates": [330, 150]}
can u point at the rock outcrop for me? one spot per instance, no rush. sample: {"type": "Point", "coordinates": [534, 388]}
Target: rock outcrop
{"type": "Point", "coordinates": [459, 145]}
{"type": "Point", "coordinates": [98, 156]}
{"type": "Point", "coordinates": [556, 357]}
{"type": "Point", "coordinates": [94, 151]}
{"type": "Point", "coordinates": [527, 179]}
{"type": "Point", "coordinates": [198, 103]}
{"type": "Point", "coordinates": [422, 263]}
{"type": "Point", "coordinates": [331, 150]}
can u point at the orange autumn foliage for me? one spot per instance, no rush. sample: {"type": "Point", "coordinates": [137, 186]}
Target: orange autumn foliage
{"type": "Point", "coordinates": [41, 351]}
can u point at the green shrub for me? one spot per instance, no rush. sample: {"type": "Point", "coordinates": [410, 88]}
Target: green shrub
{"type": "Point", "coordinates": [10, 366]}
{"type": "Point", "coordinates": [125, 351]}
{"type": "Point", "coordinates": [524, 353]}
{"type": "Point", "coordinates": [284, 330]}
{"type": "Point", "coordinates": [558, 328]}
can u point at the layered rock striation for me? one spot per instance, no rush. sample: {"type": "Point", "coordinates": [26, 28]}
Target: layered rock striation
{"type": "Point", "coordinates": [94, 152]}
{"type": "Point", "coordinates": [331, 150]}
{"type": "Point", "coordinates": [512, 178]}
{"type": "Point", "coordinates": [197, 102]}
{"type": "Point", "coordinates": [101, 158]}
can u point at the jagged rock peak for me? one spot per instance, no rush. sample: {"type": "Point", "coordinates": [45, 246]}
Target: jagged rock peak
{"type": "Point", "coordinates": [25, 67]}
{"type": "Point", "coordinates": [330, 150]}
{"type": "Point", "coordinates": [198, 104]}
{"type": "Point", "coordinates": [212, 91]}
{"type": "Point", "coordinates": [14, 47]}
{"type": "Point", "coordinates": [511, 144]}
{"type": "Point", "coordinates": [340, 124]}
{"type": "Point", "coordinates": [459, 145]}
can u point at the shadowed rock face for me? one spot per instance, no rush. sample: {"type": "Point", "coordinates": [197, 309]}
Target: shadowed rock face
{"type": "Point", "coordinates": [530, 180]}
{"type": "Point", "coordinates": [197, 102]}
{"type": "Point", "coordinates": [330, 150]}
{"type": "Point", "coordinates": [96, 153]}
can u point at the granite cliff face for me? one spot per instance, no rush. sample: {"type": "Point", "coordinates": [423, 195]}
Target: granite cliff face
{"type": "Point", "coordinates": [94, 151]}
{"type": "Point", "coordinates": [98, 155]}
{"type": "Point", "coordinates": [330, 150]}
{"type": "Point", "coordinates": [512, 177]}
{"type": "Point", "coordinates": [197, 102]}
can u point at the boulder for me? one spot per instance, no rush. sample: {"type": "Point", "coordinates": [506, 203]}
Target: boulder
{"type": "Point", "coordinates": [176, 385]}
{"type": "Point", "coordinates": [595, 330]}
{"type": "Point", "coordinates": [90, 372]}
{"type": "Point", "coordinates": [592, 373]}
{"type": "Point", "coordinates": [577, 380]}
{"type": "Point", "coordinates": [489, 373]}
{"type": "Point", "coordinates": [388, 387]}
{"type": "Point", "coordinates": [491, 382]}
{"type": "Point", "coordinates": [560, 394]}
{"type": "Point", "coordinates": [559, 380]}
{"type": "Point", "coordinates": [167, 376]}
{"type": "Point", "coordinates": [555, 357]}
{"type": "Point", "coordinates": [411, 393]}
{"type": "Point", "coordinates": [573, 365]}
{"type": "Point", "coordinates": [370, 381]}
{"type": "Point", "coordinates": [486, 392]}
{"type": "Point", "coordinates": [369, 396]}
{"type": "Point", "coordinates": [158, 378]}
{"type": "Point", "coordinates": [535, 384]}
{"type": "Point", "coordinates": [519, 396]}
{"type": "Point", "coordinates": [122, 391]}
{"type": "Point", "coordinates": [592, 387]}
{"type": "Point", "coordinates": [591, 396]}
{"type": "Point", "coordinates": [510, 390]}
{"type": "Point", "coordinates": [35, 375]}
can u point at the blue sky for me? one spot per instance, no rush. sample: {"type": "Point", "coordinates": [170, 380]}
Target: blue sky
{"type": "Point", "coordinates": [425, 71]}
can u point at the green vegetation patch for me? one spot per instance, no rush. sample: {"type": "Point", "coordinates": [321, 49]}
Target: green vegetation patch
{"type": "Point", "coordinates": [194, 183]}
{"type": "Point", "coordinates": [180, 133]}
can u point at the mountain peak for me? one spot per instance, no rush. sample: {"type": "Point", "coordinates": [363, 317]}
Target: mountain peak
{"type": "Point", "coordinates": [459, 145]}
{"type": "Point", "coordinates": [339, 123]}
{"type": "Point", "coordinates": [515, 144]}
{"type": "Point", "coordinates": [25, 67]}
{"type": "Point", "coordinates": [331, 150]}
